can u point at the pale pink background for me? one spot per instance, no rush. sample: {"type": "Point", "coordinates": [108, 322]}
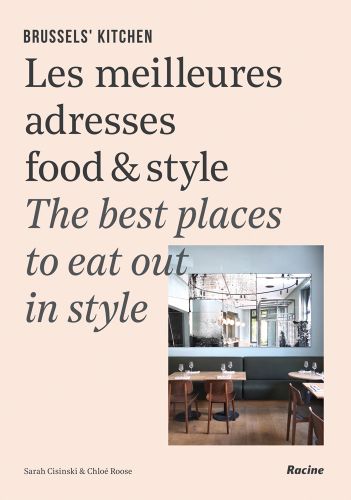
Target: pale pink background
{"type": "Point", "coordinates": [72, 398]}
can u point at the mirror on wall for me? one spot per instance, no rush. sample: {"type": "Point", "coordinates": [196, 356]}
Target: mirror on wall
{"type": "Point", "coordinates": [240, 310]}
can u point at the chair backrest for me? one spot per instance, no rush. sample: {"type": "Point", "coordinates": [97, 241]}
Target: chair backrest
{"type": "Point", "coordinates": [178, 387]}
{"type": "Point", "coordinates": [295, 395]}
{"type": "Point", "coordinates": [218, 386]}
{"type": "Point", "coordinates": [318, 427]}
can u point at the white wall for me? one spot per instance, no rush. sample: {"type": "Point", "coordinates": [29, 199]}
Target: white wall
{"type": "Point", "coordinates": [178, 293]}
{"type": "Point", "coordinates": [260, 259]}
{"type": "Point", "coordinates": [178, 298]}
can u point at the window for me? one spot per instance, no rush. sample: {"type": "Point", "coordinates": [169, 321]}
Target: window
{"type": "Point", "coordinates": [253, 327]}
{"type": "Point", "coordinates": [305, 299]}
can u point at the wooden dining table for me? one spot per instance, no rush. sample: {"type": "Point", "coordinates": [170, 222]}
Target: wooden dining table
{"type": "Point", "coordinates": [317, 389]}
{"type": "Point", "coordinates": [308, 376]}
{"type": "Point", "coordinates": [208, 377]}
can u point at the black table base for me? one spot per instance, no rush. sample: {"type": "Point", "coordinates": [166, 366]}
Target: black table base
{"type": "Point", "coordinates": [192, 415]}
{"type": "Point", "coordinates": [195, 415]}
{"type": "Point", "coordinates": [222, 416]}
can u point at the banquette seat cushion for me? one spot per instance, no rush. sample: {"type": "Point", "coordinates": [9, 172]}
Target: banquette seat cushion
{"type": "Point", "coordinates": [267, 377]}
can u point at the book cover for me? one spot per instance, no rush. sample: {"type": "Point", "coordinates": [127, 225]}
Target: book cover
{"type": "Point", "coordinates": [174, 249]}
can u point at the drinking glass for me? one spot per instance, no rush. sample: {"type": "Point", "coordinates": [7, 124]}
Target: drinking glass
{"type": "Point", "coordinates": [181, 367]}
{"type": "Point", "coordinates": [305, 365]}
{"type": "Point", "coordinates": [223, 367]}
{"type": "Point", "coordinates": [314, 367]}
{"type": "Point", "coordinates": [230, 366]}
{"type": "Point", "coordinates": [191, 365]}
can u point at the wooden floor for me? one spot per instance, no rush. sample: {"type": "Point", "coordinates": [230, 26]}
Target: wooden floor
{"type": "Point", "coordinates": [259, 423]}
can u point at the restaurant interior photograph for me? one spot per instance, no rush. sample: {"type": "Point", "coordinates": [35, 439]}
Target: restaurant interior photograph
{"type": "Point", "coordinates": [245, 345]}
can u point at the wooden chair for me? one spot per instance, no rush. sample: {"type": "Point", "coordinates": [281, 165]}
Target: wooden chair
{"type": "Point", "coordinates": [182, 392]}
{"type": "Point", "coordinates": [297, 410]}
{"type": "Point", "coordinates": [219, 391]}
{"type": "Point", "coordinates": [316, 424]}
